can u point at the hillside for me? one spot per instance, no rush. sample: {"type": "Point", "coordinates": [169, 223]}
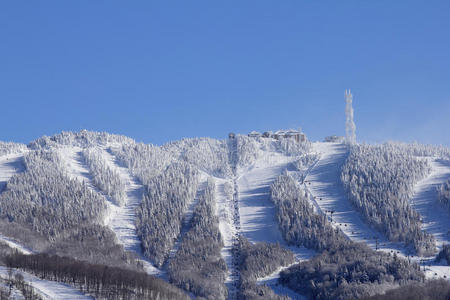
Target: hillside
{"type": "Point", "coordinates": [239, 218]}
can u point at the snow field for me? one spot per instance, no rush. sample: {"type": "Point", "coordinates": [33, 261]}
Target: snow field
{"type": "Point", "coordinates": [257, 212]}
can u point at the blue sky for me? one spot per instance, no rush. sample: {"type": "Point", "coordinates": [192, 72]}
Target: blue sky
{"type": "Point", "coordinates": [162, 70]}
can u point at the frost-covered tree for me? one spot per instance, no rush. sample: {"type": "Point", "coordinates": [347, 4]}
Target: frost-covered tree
{"type": "Point", "coordinates": [444, 193]}
{"type": "Point", "coordinates": [198, 266]}
{"type": "Point", "coordinates": [9, 147]}
{"type": "Point", "coordinates": [104, 177]}
{"type": "Point", "coordinates": [159, 217]}
{"type": "Point", "coordinates": [55, 213]}
{"type": "Point", "coordinates": [343, 269]}
{"type": "Point", "coordinates": [82, 139]}
{"type": "Point", "coordinates": [379, 180]}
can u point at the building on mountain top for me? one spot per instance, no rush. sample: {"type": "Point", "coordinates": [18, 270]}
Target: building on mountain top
{"type": "Point", "coordinates": [297, 135]}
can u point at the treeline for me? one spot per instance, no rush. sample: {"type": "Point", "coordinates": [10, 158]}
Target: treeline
{"type": "Point", "coordinates": [82, 139]}
{"type": "Point", "coordinates": [256, 261]}
{"type": "Point", "coordinates": [379, 180]}
{"type": "Point", "coordinates": [198, 266]}
{"type": "Point", "coordinates": [102, 281]}
{"type": "Point", "coordinates": [444, 194]}
{"type": "Point", "coordinates": [60, 210]}
{"type": "Point", "coordinates": [431, 289]}
{"type": "Point", "coordinates": [9, 147]}
{"type": "Point", "coordinates": [160, 215]}
{"type": "Point", "coordinates": [344, 269]}
{"type": "Point", "coordinates": [104, 177]}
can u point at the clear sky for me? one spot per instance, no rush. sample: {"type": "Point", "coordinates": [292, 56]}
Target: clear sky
{"type": "Point", "coordinates": [162, 70]}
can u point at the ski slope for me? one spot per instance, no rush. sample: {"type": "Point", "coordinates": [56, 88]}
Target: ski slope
{"type": "Point", "coordinates": [10, 165]}
{"type": "Point", "coordinates": [228, 230]}
{"type": "Point", "coordinates": [120, 218]}
{"type": "Point", "coordinates": [435, 217]}
{"type": "Point", "coordinates": [257, 211]}
{"type": "Point", "coordinates": [50, 290]}
{"type": "Point", "coordinates": [323, 182]}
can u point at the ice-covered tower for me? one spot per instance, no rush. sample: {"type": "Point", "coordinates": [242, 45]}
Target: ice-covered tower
{"type": "Point", "coordinates": [350, 128]}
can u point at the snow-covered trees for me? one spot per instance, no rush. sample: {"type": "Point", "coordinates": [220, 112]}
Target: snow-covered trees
{"type": "Point", "coordinates": [379, 180]}
{"type": "Point", "coordinates": [299, 225]}
{"type": "Point", "coordinates": [8, 148]}
{"type": "Point", "coordinates": [159, 217]}
{"type": "Point", "coordinates": [104, 177]}
{"type": "Point", "coordinates": [261, 259]}
{"type": "Point", "coordinates": [82, 139]}
{"type": "Point", "coordinates": [444, 193]}
{"type": "Point", "coordinates": [349, 271]}
{"type": "Point", "coordinates": [208, 155]}
{"type": "Point", "coordinates": [45, 199]}
{"type": "Point", "coordinates": [344, 269]}
{"type": "Point", "coordinates": [198, 266]}
{"type": "Point", "coordinates": [64, 212]}
{"type": "Point", "coordinates": [444, 254]}
{"type": "Point", "coordinates": [256, 261]}
{"type": "Point", "coordinates": [102, 281]}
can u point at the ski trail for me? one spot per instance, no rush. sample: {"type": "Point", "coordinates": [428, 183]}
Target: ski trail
{"type": "Point", "coordinates": [15, 245]}
{"type": "Point", "coordinates": [10, 165]}
{"type": "Point", "coordinates": [323, 182]}
{"type": "Point", "coordinates": [257, 211]}
{"type": "Point", "coordinates": [51, 290]}
{"type": "Point", "coordinates": [228, 230]}
{"type": "Point", "coordinates": [435, 217]}
{"type": "Point", "coordinates": [121, 219]}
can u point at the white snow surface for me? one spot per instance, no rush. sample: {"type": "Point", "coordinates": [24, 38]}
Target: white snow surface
{"type": "Point", "coordinates": [435, 217]}
{"type": "Point", "coordinates": [51, 290]}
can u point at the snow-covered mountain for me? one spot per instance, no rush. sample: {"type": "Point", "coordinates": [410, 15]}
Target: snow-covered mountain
{"type": "Point", "coordinates": [247, 217]}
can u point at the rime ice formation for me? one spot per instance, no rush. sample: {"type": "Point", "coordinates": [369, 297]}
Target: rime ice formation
{"type": "Point", "coordinates": [350, 128]}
